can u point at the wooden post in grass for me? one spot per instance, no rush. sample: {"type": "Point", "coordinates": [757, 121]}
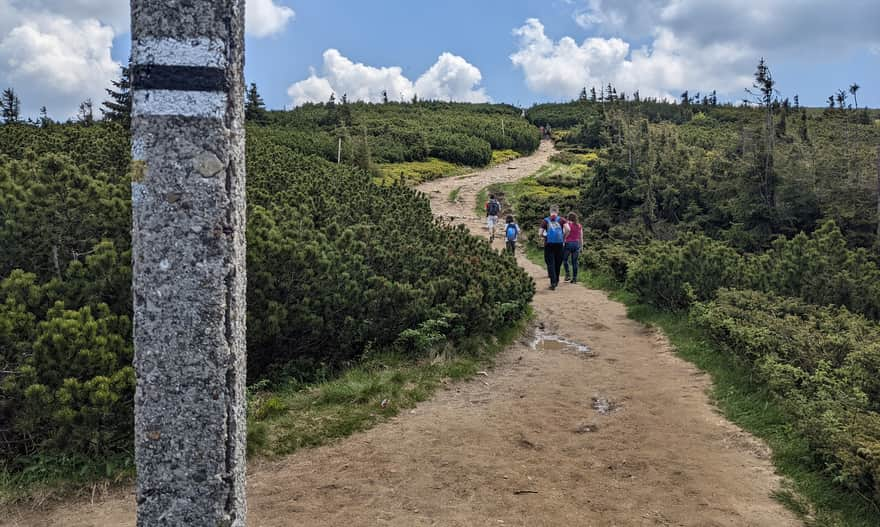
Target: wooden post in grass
{"type": "Point", "coordinates": [188, 205]}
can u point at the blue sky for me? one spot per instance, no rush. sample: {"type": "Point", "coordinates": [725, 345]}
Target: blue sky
{"type": "Point", "coordinates": [515, 51]}
{"type": "Point", "coordinates": [413, 34]}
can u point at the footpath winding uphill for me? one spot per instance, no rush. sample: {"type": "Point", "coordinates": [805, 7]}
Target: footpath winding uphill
{"type": "Point", "coordinates": [622, 434]}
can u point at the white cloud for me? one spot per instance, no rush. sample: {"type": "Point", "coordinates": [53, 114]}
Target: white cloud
{"type": "Point", "coordinates": [562, 68]}
{"type": "Point", "coordinates": [450, 78]}
{"type": "Point", "coordinates": [265, 17]}
{"type": "Point", "coordinates": [58, 62]}
{"type": "Point", "coordinates": [57, 52]}
{"type": "Point", "coordinates": [692, 44]}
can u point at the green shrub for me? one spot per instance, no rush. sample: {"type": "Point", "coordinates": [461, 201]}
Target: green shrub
{"type": "Point", "coordinates": [823, 363]}
{"type": "Point", "coordinates": [73, 389]}
{"type": "Point", "coordinates": [337, 266]}
{"type": "Point", "coordinates": [461, 149]}
{"type": "Point", "coordinates": [671, 276]}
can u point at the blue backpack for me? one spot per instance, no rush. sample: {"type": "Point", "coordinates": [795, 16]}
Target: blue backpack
{"type": "Point", "coordinates": [511, 232]}
{"type": "Point", "coordinates": [554, 230]}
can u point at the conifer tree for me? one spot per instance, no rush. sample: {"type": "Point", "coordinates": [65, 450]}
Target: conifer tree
{"type": "Point", "coordinates": [764, 88]}
{"type": "Point", "coordinates": [10, 106]}
{"type": "Point", "coordinates": [593, 94]}
{"type": "Point", "coordinates": [86, 114]}
{"type": "Point", "coordinates": [45, 120]}
{"type": "Point", "coordinates": [117, 109]}
{"type": "Point", "coordinates": [841, 99]}
{"type": "Point", "coordinates": [854, 89]}
{"type": "Point", "coordinates": [254, 107]}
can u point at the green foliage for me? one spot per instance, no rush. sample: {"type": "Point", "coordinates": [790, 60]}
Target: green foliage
{"type": "Point", "coordinates": [671, 276]}
{"type": "Point", "coordinates": [71, 389]}
{"type": "Point", "coordinates": [686, 201]}
{"type": "Point", "coordinates": [322, 236]}
{"type": "Point", "coordinates": [461, 149]}
{"type": "Point", "coordinates": [818, 268]}
{"type": "Point", "coordinates": [822, 363]}
{"type": "Point", "coordinates": [395, 132]}
{"type": "Point", "coordinates": [338, 267]}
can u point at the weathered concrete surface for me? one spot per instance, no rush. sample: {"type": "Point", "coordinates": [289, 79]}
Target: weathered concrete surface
{"type": "Point", "coordinates": [189, 262]}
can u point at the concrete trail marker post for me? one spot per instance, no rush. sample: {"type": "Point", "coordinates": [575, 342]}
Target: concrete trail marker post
{"type": "Point", "coordinates": [188, 202]}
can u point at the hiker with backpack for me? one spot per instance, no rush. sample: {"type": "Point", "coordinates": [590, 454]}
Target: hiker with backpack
{"type": "Point", "coordinates": [511, 233]}
{"type": "Point", "coordinates": [493, 209]}
{"type": "Point", "coordinates": [574, 242]}
{"type": "Point", "coordinates": [554, 230]}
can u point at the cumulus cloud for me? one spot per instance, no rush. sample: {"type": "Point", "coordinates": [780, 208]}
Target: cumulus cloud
{"type": "Point", "coordinates": [561, 68]}
{"type": "Point", "coordinates": [450, 78]}
{"type": "Point", "coordinates": [58, 52]}
{"type": "Point", "coordinates": [691, 44]}
{"type": "Point", "coordinates": [58, 62]}
{"type": "Point", "coordinates": [265, 17]}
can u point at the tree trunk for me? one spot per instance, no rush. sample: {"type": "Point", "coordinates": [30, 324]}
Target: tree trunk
{"type": "Point", "coordinates": [55, 261]}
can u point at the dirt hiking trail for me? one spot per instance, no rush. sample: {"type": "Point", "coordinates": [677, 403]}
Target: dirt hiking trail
{"type": "Point", "coordinates": [620, 434]}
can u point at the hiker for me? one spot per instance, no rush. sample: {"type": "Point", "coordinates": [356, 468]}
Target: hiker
{"type": "Point", "coordinates": [511, 233]}
{"type": "Point", "coordinates": [574, 242]}
{"type": "Point", "coordinates": [554, 230]}
{"type": "Point", "coordinates": [493, 208]}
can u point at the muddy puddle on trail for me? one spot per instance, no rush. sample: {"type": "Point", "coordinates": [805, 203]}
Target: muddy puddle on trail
{"type": "Point", "coordinates": [549, 342]}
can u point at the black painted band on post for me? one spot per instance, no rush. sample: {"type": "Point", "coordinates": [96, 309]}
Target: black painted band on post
{"type": "Point", "coordinates": [178, 78]}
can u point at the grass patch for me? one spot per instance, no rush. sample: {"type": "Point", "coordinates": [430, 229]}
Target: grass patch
{"type": "Point", "coordinates": [480, 202]}
{"type": "Point", "coordinates": [415, 172]}
{"type": "Point", "coordinates": [50, 477]}
{"type": "Point", "coordinates": [287, 418]}
{"type": "Point", "coordinates": [453, 195]}
{"type": "Point", "coordinates": [806, 490]}
{"type": "Point", "coordinates": [503, 156]}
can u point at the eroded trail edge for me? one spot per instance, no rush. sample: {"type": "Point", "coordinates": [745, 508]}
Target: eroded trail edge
{"type": "Point", "coordinates": [618, 433]}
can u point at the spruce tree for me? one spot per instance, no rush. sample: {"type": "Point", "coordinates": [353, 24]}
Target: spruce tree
{"type": "Point", "coordinates": [764, 88]}
{"type": "Point", "coordinates": [45, 120]}
{"type": "Point", "coordinates": [117, 109]}
{"type": "Point", "coordinates": [254, 107]}
{"type": "Point", "coordinates": [10, 106]}
{"type": "Point", "coordinates": [86, 114]}
{"type": "Point", "coordinates": [854, 89]}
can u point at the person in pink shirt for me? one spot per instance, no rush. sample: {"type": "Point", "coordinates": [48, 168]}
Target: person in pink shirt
{"type": "Point", "coordinates": [574, 242]}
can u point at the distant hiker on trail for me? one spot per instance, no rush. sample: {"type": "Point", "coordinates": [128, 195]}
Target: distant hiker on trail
{"type": "Point", "coordinates": [574, 242]}
{"type": "Point", "coordinates": [511, 233]}
{"type": "Point", "coordinates": [493, 209]}
{"type": "Point", "coordinates": [554, 230]}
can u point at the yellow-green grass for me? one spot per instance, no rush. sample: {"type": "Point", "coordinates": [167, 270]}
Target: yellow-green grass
{"type": "Point", "coordinates": [415, 172]}
{"type": "Point", "coordinates": [503, 156]}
